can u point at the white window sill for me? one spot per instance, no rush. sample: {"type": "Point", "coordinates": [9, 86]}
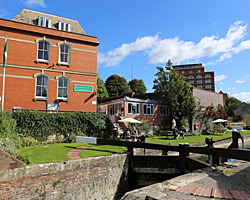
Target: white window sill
{"type": "Point", "coordinates": [40, 99]}
{"type": "Point", "coordinates": [59, 99]}
{"type": "Point", "coordinates": [65, 64]}
{"type": "Point", "coordinates": [43, 61]}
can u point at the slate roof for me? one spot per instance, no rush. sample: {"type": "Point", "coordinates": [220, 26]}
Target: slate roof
{"type": "Point", "coordinates": [31, 17]}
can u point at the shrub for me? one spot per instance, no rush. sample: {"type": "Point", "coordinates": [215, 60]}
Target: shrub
{"type": "Point", "coordinates": [219, 127]}
{"type": "Point", "coordinates": [16, 139]}
{"type": "Point", "coordinates": [8, 146]}
{"type": "Point", "coordinates": [194, 134]}
{"type": "Point", "coordinates": [7, 125]}
{"type": "Point", "coordinates": [163, 127]}
{"type": "Point", "coordinates": [28, 141]}
{"type": "Point", "coordinates": [25, 159]}
{"type": "Point", "coordinates": [41, 125]}
{"type": "Point", "coordinates": [143, 127]}
{"type": "Point", "coordinates": [246, 119]}
{"type": "Point", "coordinates": [71, 138]}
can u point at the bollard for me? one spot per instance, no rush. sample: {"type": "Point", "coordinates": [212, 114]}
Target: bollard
{"type": "Point", "coordinates": [235, 136]}
{"type": "Point", "coordinates": [182, 156]}
{"type": "Point", "coordinates": [216, 160]}
{"type": "Point", "coordinates": [209, 142]}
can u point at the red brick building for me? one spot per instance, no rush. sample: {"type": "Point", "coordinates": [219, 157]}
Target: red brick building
{"type": "Point", "coordinates": [196, 76]}
{"type": "Point", "coordinates": [147, 107]}
{"type": "Point", "coordinates": [52, 63]}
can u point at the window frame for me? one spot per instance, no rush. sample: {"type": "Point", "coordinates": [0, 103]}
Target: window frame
{"type": "Point", "coordinates": [62, 25]}
{"type": "Point", "coordinates": [208, 86]}
{"type": "Point", "coordinates": [68, 55]}
{"type": "Point", "coordinates": [166, 110]}
{"type": "Point", "coordinates": [208, 81]}
{"type": "Point", "coordinates": [199, 77]}
{"type": "Point", "coordinates": [151, 107]}
{"type": "Point", "coordinates": [38, 60]}
{"type": "Point", "coordinates": [199, 86]}
{"type": "Point", "coordinates": [199, 81]}
{"type": "Point", "coordinates": [41, 59]}
{"type": "Point", "coordinates": [111, 109]}
{"type": "Point", "coordinates": [42, 21]}
{"type": "Point", "coordinates": [47, 87]}
{"type": "Point", "coordinates": [138, 109]}
{"type": "Point", "coordinates": [63, 87]}
{"type": "Point", "coordinates": [207, 76]}
{"type": "Point", "coordinates": [191, 77]}
{"type": "Point", "coordinates": [191, 82]}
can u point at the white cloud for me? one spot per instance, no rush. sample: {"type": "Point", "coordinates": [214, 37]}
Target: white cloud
{"type": "Point", "coordinates": [242, 46]}
{"type": "Point", "coordinates": [220, 77]}
{"type": "Point", "coordinates": [160, 50]}
{"type": "Point", "coordinates": [243, 80]}
{"type": "Point", "coordinates": [244, 96]}
{"type": "Point", "coordinates": [240, 81]}
{"type": "Point", "coordinates": [32, 3]}
{"type": "Point", "coordinates": [115, 56]}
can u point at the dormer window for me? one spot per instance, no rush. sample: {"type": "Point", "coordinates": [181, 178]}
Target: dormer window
{"type": "Point", "coordinates": [64, 26]}
{"type": "Point", "coordinates": [44, 21]}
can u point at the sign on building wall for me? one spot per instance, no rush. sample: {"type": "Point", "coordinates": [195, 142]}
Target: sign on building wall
{"type": "Point", "coordinates": [52, 106]}
{"type": "Point", "coordinates": [83, 88]}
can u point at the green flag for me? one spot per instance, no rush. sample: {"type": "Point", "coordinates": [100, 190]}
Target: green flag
{"type": "Point", "coordinates": [5, 53]}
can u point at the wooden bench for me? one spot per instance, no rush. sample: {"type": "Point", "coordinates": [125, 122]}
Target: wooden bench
{"type": "Point", "coordinates": [168, 133]}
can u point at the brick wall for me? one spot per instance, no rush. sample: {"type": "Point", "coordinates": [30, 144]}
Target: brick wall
{"type": "Point", "coordinates": [21, 67]}
{"type": "Point", "coordinates": [90, 178]}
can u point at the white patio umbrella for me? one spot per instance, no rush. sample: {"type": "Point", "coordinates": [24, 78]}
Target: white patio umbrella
{"type": "Point", "coordinates": [129, 120]}
{"type": "Point", "coordinates": [173, 123]}
{"type": "Point", "coordinates": [219, 120]}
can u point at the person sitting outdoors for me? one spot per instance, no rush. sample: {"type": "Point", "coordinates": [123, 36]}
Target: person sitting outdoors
{"type": "Point", "coordinates": [126, 134]}
{"type": "Point", "coordinates": [134, 133]}
{"type": "Point", "coordinates": [176, 133]}
{"type": "Point", "coordinates": [184, 132]}
{"type": "Point", "coordinates": [142, 138]}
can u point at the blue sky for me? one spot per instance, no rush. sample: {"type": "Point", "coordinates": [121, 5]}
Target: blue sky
{"type": "Point", "coordinates": [215, 33]}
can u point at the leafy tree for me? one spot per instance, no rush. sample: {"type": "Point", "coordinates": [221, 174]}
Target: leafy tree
{"type": "Point", "coordinates": [171, 85]}
{"type": "Point", "coordinates": [101, 89]}
{"type": "Point", "coordinates": [116, 85]}
{"type": "Point", "coordinates": [230, 104]}
{"type": "Point", "coordinates": [246, 119]}
{"type": "Point", "coordinates": [137, 86]}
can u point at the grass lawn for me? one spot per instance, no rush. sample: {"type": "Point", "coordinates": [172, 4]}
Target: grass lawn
{"type": "Point", "coordinates": [189, 139]}
{"type": "Point", "coordinates": [58, 152]}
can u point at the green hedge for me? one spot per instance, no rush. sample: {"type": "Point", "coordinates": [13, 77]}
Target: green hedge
{"type": "Point", "coordinates": [40, 125]}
